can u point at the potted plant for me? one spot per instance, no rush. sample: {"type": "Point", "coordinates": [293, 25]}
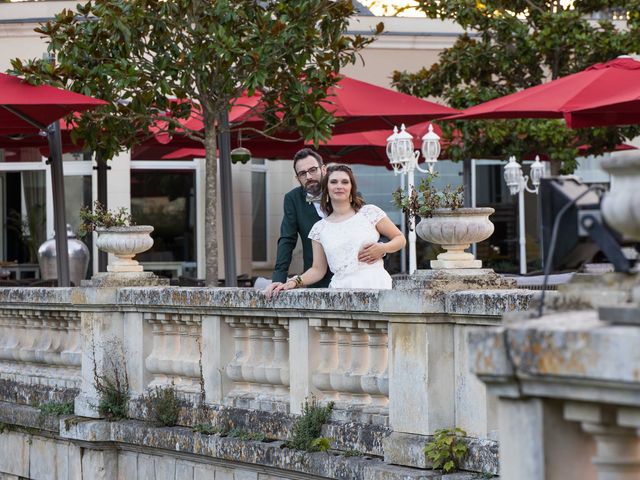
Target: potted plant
{"type": "Point", "coordinates": [117, 234]}
{"type": "Point", "coordinates": [444, 222]}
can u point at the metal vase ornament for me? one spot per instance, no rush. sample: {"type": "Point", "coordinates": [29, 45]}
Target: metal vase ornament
{"type": "Point", "coordinates": [78, 258]}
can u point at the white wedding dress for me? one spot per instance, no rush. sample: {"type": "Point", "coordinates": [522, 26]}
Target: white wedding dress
{"type": "Point", "coordinates": [342, 241]}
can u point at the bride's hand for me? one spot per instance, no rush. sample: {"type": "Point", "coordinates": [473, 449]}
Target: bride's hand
{"type": "Point", "coordinates": [288, 285]}
{"type": "Point", "coordinates": [371, 253]}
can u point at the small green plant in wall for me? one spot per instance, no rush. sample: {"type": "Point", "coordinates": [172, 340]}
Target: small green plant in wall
{"type": "Point", "coordinates": [447, 449]}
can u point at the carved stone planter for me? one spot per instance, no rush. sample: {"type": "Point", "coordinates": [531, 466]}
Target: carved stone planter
{"type": "Point", "coordinates": [621, 205]}
{"type": "Point", "coordinates": [125, 243]}
{"type": "Point", "coordinates": [455, 231]}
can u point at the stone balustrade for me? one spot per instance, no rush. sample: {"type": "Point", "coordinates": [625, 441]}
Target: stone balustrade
{"type": "Point", "coordinates": [568, 383]}
{"type": "Point", "coordinates": [395, 360]}
{"type": "Point", "coordinates": [40, 345]}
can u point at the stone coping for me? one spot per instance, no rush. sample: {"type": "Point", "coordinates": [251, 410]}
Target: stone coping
{"type": "Point", "coordinates": [298, 303]}
{"type": "Point", "coordinates": [562, 355]}
{"type": "Point", "coordinates": [272, 454]}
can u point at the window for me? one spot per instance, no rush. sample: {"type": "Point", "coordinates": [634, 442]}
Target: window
{"type": "Point", "coordinates": [166, 200]}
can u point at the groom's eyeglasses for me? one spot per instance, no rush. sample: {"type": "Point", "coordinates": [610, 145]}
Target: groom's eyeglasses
{"type": "Point", "coordinates": [302, 174]}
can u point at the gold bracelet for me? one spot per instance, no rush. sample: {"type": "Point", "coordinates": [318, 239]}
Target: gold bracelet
{"type": "Point", "coordinates": [298, 280]}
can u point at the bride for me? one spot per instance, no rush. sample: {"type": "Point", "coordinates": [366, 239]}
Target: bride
{"type": "Point", "coordinates": [346, 240]}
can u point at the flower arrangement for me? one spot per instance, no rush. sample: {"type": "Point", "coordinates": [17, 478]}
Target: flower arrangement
{"type": "Point", "coordinates": [101, 217]}
{"type": "Point", "coordinates": [425, 199]}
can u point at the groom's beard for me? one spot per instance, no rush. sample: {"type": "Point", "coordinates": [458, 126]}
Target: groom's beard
{"type": "Point", "coordinates": [313, 189]}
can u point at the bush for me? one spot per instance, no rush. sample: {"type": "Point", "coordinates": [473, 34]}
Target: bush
{"type": "Point", "coordinates": [447, 449]}
{"type": "Point", "coordinates": [307, 430]}
{"type": "Point", "coordinates": [163, 406]}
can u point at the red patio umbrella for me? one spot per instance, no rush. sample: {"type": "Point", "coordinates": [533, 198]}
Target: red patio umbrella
{"type": "Point", "coordinates": [603, 94]}
{"type": "Point", "coordinates": [367, 148]}
{"type": "Point", "coordinates": [358, 106]}
{"type": "Point", "coordinates": [26, 109]}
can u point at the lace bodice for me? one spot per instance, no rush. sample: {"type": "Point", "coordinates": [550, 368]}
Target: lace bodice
{"type": "Point", "coordinates": [343, 240]}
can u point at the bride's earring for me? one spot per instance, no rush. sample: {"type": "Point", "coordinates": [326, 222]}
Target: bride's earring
{"type": "Point", "coordinates": [350, 198]}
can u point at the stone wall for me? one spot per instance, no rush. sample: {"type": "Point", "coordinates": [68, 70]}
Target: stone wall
{"type": "Point", "coordinates": [395, 363]}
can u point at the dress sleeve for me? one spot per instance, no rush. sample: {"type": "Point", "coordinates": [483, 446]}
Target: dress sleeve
{"type": "Point", "coordinates": [316, 230]}
{"type": "Point", "coordinates": [373, 214]}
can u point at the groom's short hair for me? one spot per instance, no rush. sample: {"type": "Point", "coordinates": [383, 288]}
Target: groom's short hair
{"type": "Point", "coordinates": [304, 153]}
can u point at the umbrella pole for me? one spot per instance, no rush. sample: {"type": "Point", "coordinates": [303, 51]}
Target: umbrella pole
{"type": "Point", "coordinates": [59, 220]}
{"type": "Point", "coordinates": [101, 169]}
{"type": "Point", "coordinates": [230, 276]}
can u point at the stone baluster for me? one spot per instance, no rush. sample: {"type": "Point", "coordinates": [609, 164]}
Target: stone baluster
{"type": "Point", "coordinates": [617, 447]}
{"type": "Point", "coordinates": [71, 350]}
{"type": "Point", "coordinates": [357, 367]}
{"type": "Point", "coordinates": [235, 367]}
{"type": "Point", "coordinates": [278, 372]}
{"type": "Point", "coordinates": [194, 333]}
{"type": "Point", "coordinates": [158, 350]}
{"type": "Point", "coordinates": [262, 356]}
{"type": "Point", "coordinates": [252, 360]}
{"type": "Point", "coordinates": [338, 375]}
{"type": "Point", "coordinates": [376, 380]}
{"type": "Point", "coordinates": [328, 362]}
{"type": "Point", "coordinates": [28, 340]}
{"type": "Point", "coordinates": [9, 337]}
{"type": "Point", "coordinates": [52, 332]}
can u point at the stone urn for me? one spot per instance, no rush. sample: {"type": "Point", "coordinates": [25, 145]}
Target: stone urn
{"type": "Point", "coordinates": [621, 205]}
{"type": "Point", "coordinates": [124, 243]}
{"type": "Point", "coordinates": [455, 230]}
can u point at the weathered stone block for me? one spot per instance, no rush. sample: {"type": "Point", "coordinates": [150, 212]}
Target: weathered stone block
{"type": "Point", "coordinates": [100, 465]}
{"type": "Point", "coordinates": [165, 468]}
{"type": "Point", "coordinates": [14, 454]}
{"type": "Point", "coordinates": [146, 466]}
{"type": "Point", "coordinates": [245, 475]}
{"type": "Point", "coordinates": [184, 470]}
{"type": "Point", "coordinates": [127, 465]}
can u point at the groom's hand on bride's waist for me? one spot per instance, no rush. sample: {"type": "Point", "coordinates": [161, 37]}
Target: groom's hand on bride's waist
{"type": "Point", "coordinates": [371, 253]}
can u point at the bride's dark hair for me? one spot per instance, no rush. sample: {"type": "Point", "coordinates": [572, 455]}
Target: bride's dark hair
{"type": "Point", "coordinates": [356, 199]}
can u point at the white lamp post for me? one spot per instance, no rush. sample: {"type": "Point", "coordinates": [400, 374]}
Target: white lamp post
{"type": "Point", "coordinates": [404, 160]}
{"type": "Point", "coordinates": [517, 184]}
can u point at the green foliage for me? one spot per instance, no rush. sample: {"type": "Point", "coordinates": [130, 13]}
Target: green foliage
{"type": "Point", "coordinates": [519, 44]}
{"type": "Point", "coordinates": [447, 449]}
{"type": "Point", "coordinates": [101, 217]}
{"type": "Point", "coordinates": [163, 406]}
{"type": "Point", "coordinates": [137, 54]}
{"type": "Point", "coordinates": [422, 202]}
{"type": "Point", "coordinates": [246, 435]}
{"type": "Point", "coordinates": [207, 429]}
{"type": "Point", "coordinates": [307, 430]}
{"type": "Point", "coordinates": [322, 444]}
{"type": "Point", "coordinates": [56, 408]}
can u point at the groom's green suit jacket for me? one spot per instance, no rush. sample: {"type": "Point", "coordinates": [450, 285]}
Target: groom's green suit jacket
{"type": "Point", "coordinates": [299, 217]}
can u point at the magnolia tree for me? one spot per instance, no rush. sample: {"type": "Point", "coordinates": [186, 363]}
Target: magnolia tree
{"type": "Point", "coordinates": [141, 55]}
{"type": "Point", "coordinates": [515, 44]}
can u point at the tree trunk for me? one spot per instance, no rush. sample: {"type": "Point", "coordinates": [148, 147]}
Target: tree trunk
{"type": "Point", "coordinates": [210, 205]}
